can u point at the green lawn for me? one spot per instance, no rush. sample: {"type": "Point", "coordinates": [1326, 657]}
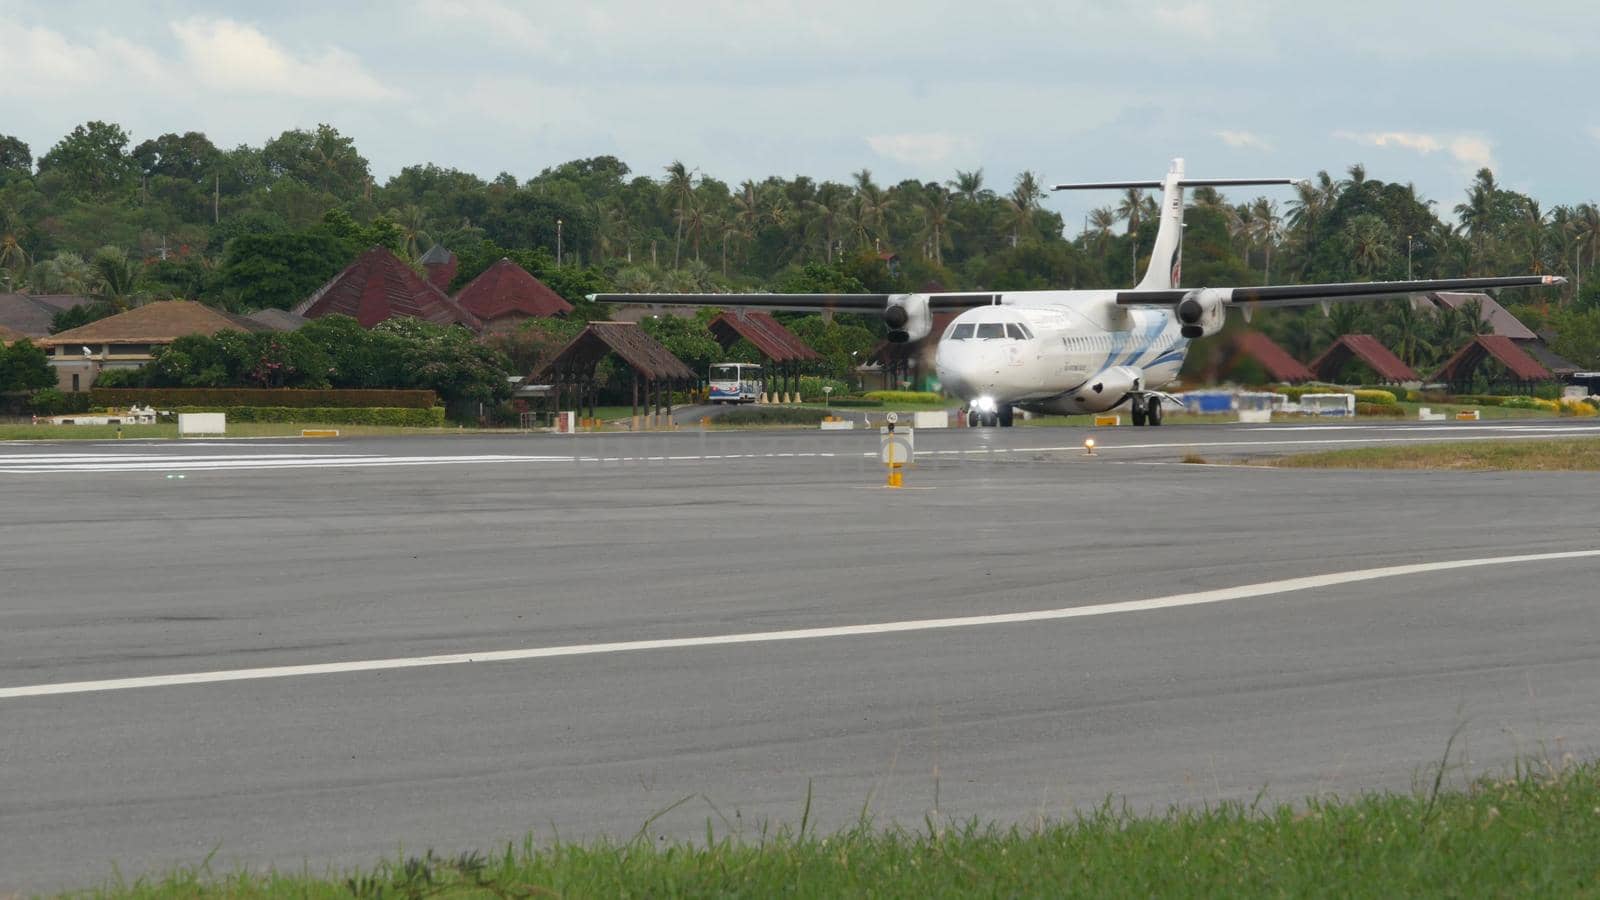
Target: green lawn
{"type": "Point", "coordinates": [1532, 833]}
{"type": "Point", "coordinates": [235, 429]}
{"type": "Point", "coordinates": [1565, 455]}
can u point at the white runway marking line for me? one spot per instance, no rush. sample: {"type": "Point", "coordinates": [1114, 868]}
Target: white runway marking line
{"type": "Point", "coordinates": [22, 464]}
{"type": "Point", "coordinates": [1199, 598]}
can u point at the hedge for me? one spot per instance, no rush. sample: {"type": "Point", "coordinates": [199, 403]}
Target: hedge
{"type": "Point", "coordinates": [772, 415]}
{"type": "Point", "coordinates": [432, 417]}
{"type": "Point", "coordinates": [1379, 409]}
{"type": "Point", "coordinates": [262, 397]}
{"type": "Point", "coordinates": [905, 396]}
{"type": "Point", "coordinates": [1375, 397]}
{"type": "Point", "coordinates": [856, 403]}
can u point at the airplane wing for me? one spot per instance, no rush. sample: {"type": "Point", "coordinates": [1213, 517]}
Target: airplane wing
{"type": "Point", "coordinates": [862, 303]}
{"type": "Point", "coordinates": [1309, 294]}
{"type": "Point", "coordinates": [848, 303]}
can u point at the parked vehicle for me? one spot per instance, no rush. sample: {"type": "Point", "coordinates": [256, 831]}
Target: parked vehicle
{"type": "Point", "coordinates": [736, 383]}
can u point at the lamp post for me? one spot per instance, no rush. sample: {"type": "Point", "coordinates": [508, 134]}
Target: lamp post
{"type": "Point", "coordinates": [558, 242]}
{"type": "Point", "coordinates": [1408, 257]}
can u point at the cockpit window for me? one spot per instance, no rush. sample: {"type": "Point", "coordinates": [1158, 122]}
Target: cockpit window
{"type": "Point", "coordinates": [960, 332]}
{"type": "Point", "coordinates": [991, 330]}
{"type": "Point", "coordinates": [1017, 331]}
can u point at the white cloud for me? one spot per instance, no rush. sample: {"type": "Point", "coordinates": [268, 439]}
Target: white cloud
{"type": "Point", "coordinates": [239, 58]}
{"type": "Point", "coordinates": [1243, 139]}
{"type": "Point", "coordinates": [1469, 151]}
{"type": "Point", "coordinates": [1193, 18]}
{"type": "Point", "coordinates": [921, 149]}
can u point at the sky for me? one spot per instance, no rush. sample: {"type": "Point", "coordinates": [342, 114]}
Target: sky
{"type": "Point", "coordinates": [1074, 90]}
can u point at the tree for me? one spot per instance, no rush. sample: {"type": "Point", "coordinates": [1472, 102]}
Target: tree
{"type": "Point", "coordinates": [115, 278]}
{"type": "Point", "coordinates": [680, 192]}
{"type": "Point", "coordinates": [969, 186]}
{"type": "Point", "coordinates": [1021, 204]}
{"type": "Point", "coordinates": [323, 160]}
{"type": "Point", "coordinates": [25, 367]}
{"type": "Point", "coordinates": [91, 162]}
{"type": "Point", "coordinates": [15, 158]}
{"type": "Point", "coordinates": [189, 157]}
{"type": "Point", "coordinates": [937, 224]}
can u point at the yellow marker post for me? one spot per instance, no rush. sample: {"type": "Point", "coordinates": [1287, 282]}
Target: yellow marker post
{"type": "Point", "coordinates": [897, 449]}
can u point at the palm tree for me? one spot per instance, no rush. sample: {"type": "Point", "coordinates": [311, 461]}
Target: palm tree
{"type": "Point", "coordinates": [1134, 206]}
{"type": "Point", "coordinates": [1405, 331]}
{"type": "Point", "coordinates": [1022, 203]}
{"type": "Point", "coordinates": [937, 224]}
{"type": "Point", "coordinates": [1531, 230]}
{"type": "Point", "coordinates": [1587, 237]}
{"type": "Point", "coordinates": [115, 277]}
{"type": "Point", "coordinates": [1369, 238]}
{"type": "Point", "coordinates": [1312, 201]}
{"type": "Point", "coordinates": [969, 185]}
{"type": "Point", "coordinates": [1478, 214]}
{"type": "Point", "coordinates": [13, 258]}
{"type": "Point", "coordinates": [1102, 220]}
{"type": "Point", "coordinates": [413, 229]}
{"type": "Point", "coordinates": [1267, 229]}
{"type": "Point", "coordinates": [828, 216]}
{"type": "Point", "coordinates": [680, 192]}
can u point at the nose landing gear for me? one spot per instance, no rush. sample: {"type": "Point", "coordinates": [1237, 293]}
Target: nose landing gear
{"type": "Point", "coordinates": [1002, 417]}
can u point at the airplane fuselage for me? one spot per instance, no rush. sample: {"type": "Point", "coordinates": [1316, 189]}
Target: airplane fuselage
{"type": "Point", "coordinates": [1059, 352]}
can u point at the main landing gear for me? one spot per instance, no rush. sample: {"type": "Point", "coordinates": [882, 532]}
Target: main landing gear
{"type": "Point", "coordinates": [1003, 417]}
{"type": "Point", "coordinates": [1146, 410]}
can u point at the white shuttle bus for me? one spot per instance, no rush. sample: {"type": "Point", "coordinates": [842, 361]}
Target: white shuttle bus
{"type": "Point", "coordinates": [735, 383]}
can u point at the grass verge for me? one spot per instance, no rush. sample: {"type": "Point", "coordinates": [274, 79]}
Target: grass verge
{"type": "Point", "coordinates": [1533, 833]}
{"type": "Point", "coordinates": [235, 429]}
{"type": "Point", "coordinates": [1566, 455]}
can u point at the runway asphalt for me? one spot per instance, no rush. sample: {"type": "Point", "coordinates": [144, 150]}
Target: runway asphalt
{"type": "Point", "coordinates": [269, 554]}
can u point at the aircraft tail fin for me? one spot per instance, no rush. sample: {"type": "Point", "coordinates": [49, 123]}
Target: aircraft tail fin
{"type": "Point", "coordinates": [1166, 256]}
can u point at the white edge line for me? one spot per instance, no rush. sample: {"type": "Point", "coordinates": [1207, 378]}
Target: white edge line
{"type": "Point", "coordinates": [1198, 598]}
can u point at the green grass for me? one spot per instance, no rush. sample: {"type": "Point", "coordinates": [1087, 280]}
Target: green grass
{"type": "Point", "coordinates": [1533, 833]}
{"type": "Point", "coordinates": [1565, 455]}
{"type": "Point", "coordinates": [235, 429]}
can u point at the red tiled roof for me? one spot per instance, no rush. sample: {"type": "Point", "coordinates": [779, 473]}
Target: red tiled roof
{"type": "Point", "coordinates": [774, 341]}
{"type": "Point", "coordinates": [1368, 349]}
{"type": "Point", "coordinates": [637, 350]}
{"type": "Point", "coordinates": [1279, 364]}
{"type": "Point", "coordinates": [1503, 349]}
{"type": "Point", "coordinates": [506, 289]}
{"type": "Point", "coordinates": [153, 323]}
{"type": "Point", "coordinates": [378, 286]}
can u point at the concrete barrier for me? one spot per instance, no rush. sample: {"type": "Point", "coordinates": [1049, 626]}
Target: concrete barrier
{"type": "Point", "coordinates": [202, 423]}
{"type": "Point", "coordinates": [1255, 416]}
{"type": "Point", "coordinates": [935, 418]}
{"type": "Point", "coordinates": [1426, 414]}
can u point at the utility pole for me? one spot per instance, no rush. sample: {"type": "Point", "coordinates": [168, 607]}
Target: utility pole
{"type": "Point", "coordinates": [1408, 257]}
{"type": "Point", "coordinates": [216, 200]}
{"type": "Point", "coordinates": [558, 243]}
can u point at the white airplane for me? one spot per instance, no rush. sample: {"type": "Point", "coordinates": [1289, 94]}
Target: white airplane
{"type": "Point", "coordinates": [1082, 351]}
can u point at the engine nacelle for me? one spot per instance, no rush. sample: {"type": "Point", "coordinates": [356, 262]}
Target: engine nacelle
{"type": "Point", "coordinates": [1111, 387]}
{"type": "Point", "coordinates": [908, 318]}
{"type": "Point", "coordinates": [1202, 312]}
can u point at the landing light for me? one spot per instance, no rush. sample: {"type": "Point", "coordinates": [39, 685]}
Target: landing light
{"type": "Point", "coordinates": [984, 404]}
